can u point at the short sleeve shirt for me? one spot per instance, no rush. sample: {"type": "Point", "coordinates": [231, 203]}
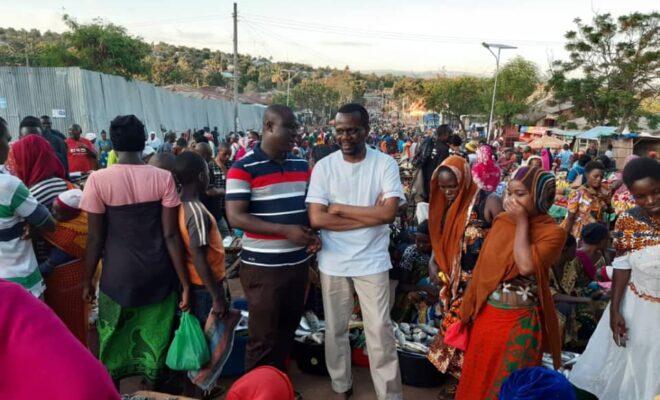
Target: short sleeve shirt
{"type": "Point", "coordinates": [79, 154]}
{"type": "Point", "coordinates": [17, 260]}
{"type": "Point", "coordinates": [122, 184]}
{"type": "Point", "coordinates": [276, 193]}
{"type": "Point", "coordinates": [363, 251]}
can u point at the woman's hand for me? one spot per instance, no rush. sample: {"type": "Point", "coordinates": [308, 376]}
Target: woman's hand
{"type": "Point", "coordinates": [619, 330]}
{"type": "Point", "coordinates": [433, 271]}
{"type": "Point", "coordinates": [184, 304]}
{"type": "Point", "coordinates": [513, 207]}
{"type": "Point", "coordinates": [89, 293]}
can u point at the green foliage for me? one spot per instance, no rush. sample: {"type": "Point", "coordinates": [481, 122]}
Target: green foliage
{"type": "Point", "coordinates": [103, 47]}
{"type": "Point", "coordinates": [454, 97]}
{"type": "Point", "coordinates": [516, 81]}
{"type": "Point", "coordinates": [617, 65]}
{"type": "Point", "coordinates": [280, 98]}
{"type": "Point", "coordinates": [316, 97]}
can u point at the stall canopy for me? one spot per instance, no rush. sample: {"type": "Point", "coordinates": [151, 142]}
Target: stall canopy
{"type": "Point", "coordinates": [598, 132]}
{"type": "Point", "coordinates": [546, 142]}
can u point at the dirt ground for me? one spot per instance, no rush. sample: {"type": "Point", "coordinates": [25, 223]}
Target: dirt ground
{"type": "Point", "coordinates": [311, 387]}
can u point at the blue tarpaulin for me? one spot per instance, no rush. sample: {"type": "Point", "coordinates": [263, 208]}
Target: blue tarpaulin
{"type": "Point", "coordinates": [597, 132]}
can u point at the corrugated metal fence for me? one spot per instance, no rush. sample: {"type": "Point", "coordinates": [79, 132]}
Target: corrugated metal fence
{"type": "Point", "coordinates": [93, 99]}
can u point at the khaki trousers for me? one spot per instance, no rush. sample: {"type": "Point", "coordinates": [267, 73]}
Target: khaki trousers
{"type": "Point", "coordinates": [374, 294]}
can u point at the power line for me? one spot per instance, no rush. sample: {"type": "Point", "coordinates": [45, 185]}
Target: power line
{"type": "Point", "coordinates": [358, 32]}
{"type": "Point", "coordinates": [283, 39]}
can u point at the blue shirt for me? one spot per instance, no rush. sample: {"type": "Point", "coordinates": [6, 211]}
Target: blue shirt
{"type": "Point", "coordinates": [565, 157]}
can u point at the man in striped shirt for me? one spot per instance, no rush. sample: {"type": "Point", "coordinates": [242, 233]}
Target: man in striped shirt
{"type": "Point", "coordinates": [266, 199]}
{"type": "Point", "coordinates": [18, 207]}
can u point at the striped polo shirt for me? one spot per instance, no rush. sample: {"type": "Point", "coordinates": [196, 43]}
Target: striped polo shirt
{"type": "Point", "coordinates": [276, 193]}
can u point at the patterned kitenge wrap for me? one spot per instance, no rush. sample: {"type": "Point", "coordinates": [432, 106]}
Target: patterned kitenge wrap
{"type": "Point", "coordinates": [506, 338]}
{"type": "Point", "coordinates": [134, 340]}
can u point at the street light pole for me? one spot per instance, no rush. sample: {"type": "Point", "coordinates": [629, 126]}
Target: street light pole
{"type": "Point", "coordinates": [499, 48]}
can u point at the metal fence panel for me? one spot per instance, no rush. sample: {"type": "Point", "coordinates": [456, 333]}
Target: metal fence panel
{"type": "Point", "coordinates": [93, 99]}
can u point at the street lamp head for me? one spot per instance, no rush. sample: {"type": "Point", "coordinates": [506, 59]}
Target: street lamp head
{"type": "Point", "coordinates": [497, 46]}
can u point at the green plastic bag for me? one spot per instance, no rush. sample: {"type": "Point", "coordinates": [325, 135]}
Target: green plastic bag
{"type": "Point", "coordinates": [188, 351]}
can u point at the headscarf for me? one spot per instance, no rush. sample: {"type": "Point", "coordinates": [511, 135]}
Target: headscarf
{"type": "Point", "coordinates": [33, 337]}
{"type": "Point", "coordinates": [486, 173]}
{"type": "Point", "coordinates": [496, 263]}
{"type": "Point", "coordinates": [262, 383]}
{"type": "Point", "coordinates": [546, 159]}
{"type": "Point", "coordinates": [536, 383]}
{"type": "Point", "coordinates": [32, 159]}
{"type": "Point", "coordinates": [447, 239]}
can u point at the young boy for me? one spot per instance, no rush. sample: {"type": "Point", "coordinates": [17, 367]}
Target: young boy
{"type": "Point", "coordinates": [413, 269]}
{"type": "Point", "coordinates": [205, 255]}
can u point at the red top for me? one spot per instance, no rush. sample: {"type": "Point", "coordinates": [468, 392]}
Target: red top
{"type": "Point", "coordinates": [79, 155]}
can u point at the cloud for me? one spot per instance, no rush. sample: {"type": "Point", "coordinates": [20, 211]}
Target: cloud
{"type": "Point", "coordinates": [346, 44]}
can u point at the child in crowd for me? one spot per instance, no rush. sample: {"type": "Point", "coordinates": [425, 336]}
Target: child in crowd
{"type": "Point", "coordinates": [64, 268]}
{"type": "Point", "coordinates": [577, 296]}
{"type": "Point", "coordinates": [205, 255]}
{"type": "Point", "coordinates": [412, 274]}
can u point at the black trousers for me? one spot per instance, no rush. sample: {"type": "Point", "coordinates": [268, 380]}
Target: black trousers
{"type": "Point", "coordinates": [276, 297]}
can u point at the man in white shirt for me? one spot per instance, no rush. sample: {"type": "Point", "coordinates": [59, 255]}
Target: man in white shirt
{"type": "Point", "coordinates": [353, 196]}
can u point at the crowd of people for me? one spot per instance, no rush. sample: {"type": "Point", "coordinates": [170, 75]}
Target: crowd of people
{"type": "Point", "coordinates": [508, 252]}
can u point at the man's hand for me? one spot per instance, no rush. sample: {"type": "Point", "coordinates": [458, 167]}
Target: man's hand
{"type": "Point", "coordinates": [299, 235]}
{"type": "Point", "coordinates": [220, 307]}
{"type": "Point", "coordinates": [315, 246]}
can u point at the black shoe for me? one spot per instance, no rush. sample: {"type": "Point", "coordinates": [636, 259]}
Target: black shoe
{"type": "Point", "coordinates": [348, 393]}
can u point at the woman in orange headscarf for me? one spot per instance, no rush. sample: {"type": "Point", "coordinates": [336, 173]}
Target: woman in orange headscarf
{"type": "Point", "coordinates": [460, 213]}
{"type": "Point", "coordinates": [507, 305]}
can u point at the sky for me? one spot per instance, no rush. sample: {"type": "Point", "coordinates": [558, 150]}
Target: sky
{"type": "Point", "coordinates": [410, 35]}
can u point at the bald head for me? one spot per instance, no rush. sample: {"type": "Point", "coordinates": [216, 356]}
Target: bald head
{"type": "Point", "coordinates": [75, 131]}
{"type": "Point", "coordinates": [204, 150]}
{"type": "Point", "coordinates": [279, 130]}
{"type": "Point", "coordinates": [277, 112]}
{"type": "Point", "coordinates": [163, 161]}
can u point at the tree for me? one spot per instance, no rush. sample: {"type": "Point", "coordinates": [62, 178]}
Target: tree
{"type": "Point", "coordinates": [516, 81]}
{"type": "Point", "coordinates": [280, 98]}
{"type": "Point", "coordinates": [103, 47]}
{"type": "Point", "coordinates": [617, 65]}
{"type": "Point", "coordinates": [463, 95]}
{"type": "Point", "coordinates": [315, 96]}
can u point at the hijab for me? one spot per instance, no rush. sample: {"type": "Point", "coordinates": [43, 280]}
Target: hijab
{"type": "Point", "coordinates": [546, 159]}
{"type": "Point", "coordinates": [447, 222]}
{"type": "Point", "coordinates": [496, 263]}
{"type": "Point", "coordinates": [32, 159]}
{"type": "Point", "coordinates": [262, 383]}
{"type": "Point", "coordinates": [486, 173]}
{"type": "Point", "coordinates": [40, 358]}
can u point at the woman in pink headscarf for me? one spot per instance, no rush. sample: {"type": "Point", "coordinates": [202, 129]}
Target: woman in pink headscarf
{"type": "Point", "coordinates": [485, 172]}
{"type": "Point", "coordinates": [546, 160]}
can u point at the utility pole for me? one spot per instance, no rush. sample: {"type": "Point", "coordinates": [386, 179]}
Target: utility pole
{"type": "Point", "coordinates": [288, 83]}
{"type": "Point", "coordinates": [235, 68]}
{"type": "Point", "coordinates": [27, 60]}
